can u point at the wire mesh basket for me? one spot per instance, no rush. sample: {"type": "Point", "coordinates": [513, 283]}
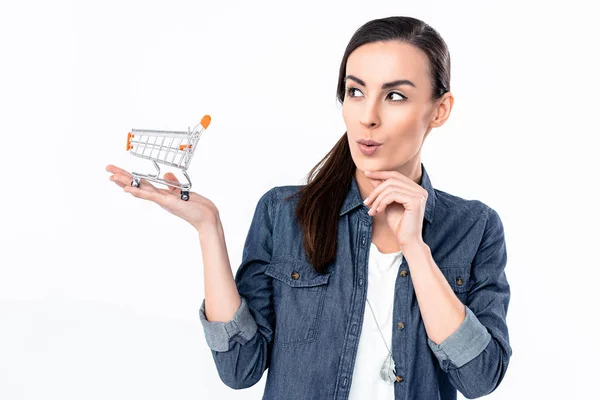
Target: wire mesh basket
{"type": "Point", "coordinates": [170, 148]}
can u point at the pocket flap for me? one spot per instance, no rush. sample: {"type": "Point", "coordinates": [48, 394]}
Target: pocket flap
{"type": "Point", "coordinates": [296, 273]}
{"type": "Point", "coordinates": [458, 277]}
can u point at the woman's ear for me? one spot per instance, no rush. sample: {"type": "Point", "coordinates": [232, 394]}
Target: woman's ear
{"type": "Point", "coordinates": [442, 110]}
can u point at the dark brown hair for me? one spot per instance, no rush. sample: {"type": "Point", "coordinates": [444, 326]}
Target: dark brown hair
{"type": "Point", "coordinates": [328, 182]}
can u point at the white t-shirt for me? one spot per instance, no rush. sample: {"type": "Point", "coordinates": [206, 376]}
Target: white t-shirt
{"type": "Point", "coordinates": [372, 352]}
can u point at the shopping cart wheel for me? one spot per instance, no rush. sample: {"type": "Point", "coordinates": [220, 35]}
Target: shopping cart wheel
{"type": "Point", "coordinates": [185, 195]}
{"type": "Point", "coordinates": [135, 182]}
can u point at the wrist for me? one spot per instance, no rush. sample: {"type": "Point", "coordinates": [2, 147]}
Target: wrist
{"type": "Point", "coordinates": [415, 247]}
{"type": "Point", "coordinates": [209, 227]}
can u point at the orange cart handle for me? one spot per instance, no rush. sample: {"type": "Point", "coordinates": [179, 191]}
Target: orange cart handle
{"type": "Point", "coordinates": [129, 136]}
{"type": "Point", "coordinates": [205, 121]}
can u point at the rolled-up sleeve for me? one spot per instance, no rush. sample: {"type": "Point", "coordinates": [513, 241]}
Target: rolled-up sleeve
{"type": "Point", "coordinates": [464, 344]}
{"type": "Point", "coordinates": [477, 354]}
{"type": "Point", "coordinates": [219, 334]}
{"type": "Point", "coordinates": [241, 348]}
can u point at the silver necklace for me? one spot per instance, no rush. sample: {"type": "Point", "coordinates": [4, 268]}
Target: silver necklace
{"type": "Point", "coordinates": [388, 369]}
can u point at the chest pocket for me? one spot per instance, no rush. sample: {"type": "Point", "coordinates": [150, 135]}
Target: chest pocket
{"type": "Point", "coordinates": [459, 278]}
{"type": "Point", "coordinates": [298, 295]}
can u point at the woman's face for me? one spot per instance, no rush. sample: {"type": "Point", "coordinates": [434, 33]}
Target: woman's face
{"type": "Point", "coordinates": [399, 115]}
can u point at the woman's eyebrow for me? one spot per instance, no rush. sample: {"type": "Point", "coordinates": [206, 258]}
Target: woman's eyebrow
{"type": "Point", "coordinates": [385, 85]}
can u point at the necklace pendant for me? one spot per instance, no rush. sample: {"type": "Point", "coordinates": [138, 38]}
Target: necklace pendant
{"type": "Point", "coordinates": [388, 369]}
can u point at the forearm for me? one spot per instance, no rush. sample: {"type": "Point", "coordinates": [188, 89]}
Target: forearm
{"type": "Point", "coordinates": [470, 341]}
{"type": "Point", "coordinates": [441, 310]}
{"type": "Point", "coordinates": [222, 298]}
{"type": "Point", "coordinates": [240, 354]}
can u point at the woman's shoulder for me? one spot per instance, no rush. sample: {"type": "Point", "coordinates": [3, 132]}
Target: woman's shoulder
{"type": "Point", "coordinates": [448, 203]}
{"type": "Point", "coordinates": [274, 198]}
{"type": "Point", "coordinates": [286, 190]}
{"type": "Point", "coordinates": [285, 193]}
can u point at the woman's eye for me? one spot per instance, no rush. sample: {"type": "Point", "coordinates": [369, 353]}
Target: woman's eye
{"type": "Point", "coordinates": [351, 93]}
{"type": "Point", "coordinates": [351, 90]}
{"type": "Point", "coordinates": [401, 98]}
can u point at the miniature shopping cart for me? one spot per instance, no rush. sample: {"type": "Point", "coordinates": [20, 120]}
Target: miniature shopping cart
{"type": "Point", "coordinates": [171, 148]}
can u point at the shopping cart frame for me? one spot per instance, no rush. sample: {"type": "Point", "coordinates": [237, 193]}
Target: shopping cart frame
{"type": "Point", "coordinates": [158, 153]}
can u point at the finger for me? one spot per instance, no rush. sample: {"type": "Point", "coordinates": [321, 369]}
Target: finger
{"type": "Point", "coordinates": [388, 174]}
{"type": "Point", "coordinates": [380, 186]}
{"type": "Point", "coordinates": [394, 195]}
{"type": "Point", "coordinates": [171, 177]}
{"type": "Point", "coordinates": [375, 182]}
{"type": "Point", "coordinates": [114, 179]}
{"type": "Point", "coordinates": [144, 184]}
{"type": "Point", "coordinates": [120, 179]}
{"type": "Point", "coordinates": [142, 193]}
{"type": "Point", "coordinates": [406, 199]}
{"type": "Point", "coordinates": [114, 170]}
{"type": "Point", "coordinates": [123, 180]}
{"type": "Point", "coordinates": [371, 195]}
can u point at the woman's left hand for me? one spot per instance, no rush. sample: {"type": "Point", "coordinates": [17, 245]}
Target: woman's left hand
{"type": "Point", "coordinates": [403, 201]}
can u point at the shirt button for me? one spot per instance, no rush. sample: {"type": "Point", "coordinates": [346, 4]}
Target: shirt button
{"type": "Point", "coordinates": [399, 378]}
{"type": "Point", "coordinates": [360, 282]}
{"type": "Point", "coordinates": [363, 241]}
{"type": "Point", "coordinates": [400, 325]}
{"type": "Point", "coordinates": [403, 272]}
{"type": "Point", "coordinates": [459, 281]}
{"type": "Point", "coordinates": [295, 275]}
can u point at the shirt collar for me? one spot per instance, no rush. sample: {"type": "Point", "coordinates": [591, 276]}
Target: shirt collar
{"type": "Point", "coordinates": [353, 198]}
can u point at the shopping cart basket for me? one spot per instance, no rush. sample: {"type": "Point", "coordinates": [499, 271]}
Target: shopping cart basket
{"type": "Point", "coordinates": [171, 148]}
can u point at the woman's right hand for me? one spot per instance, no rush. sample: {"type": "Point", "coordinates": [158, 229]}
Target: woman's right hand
{"type": "Point", "coordinates": [197, 210]}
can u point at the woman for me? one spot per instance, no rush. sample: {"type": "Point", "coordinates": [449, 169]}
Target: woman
{"type": "Point", "coordinates": [401, 295]}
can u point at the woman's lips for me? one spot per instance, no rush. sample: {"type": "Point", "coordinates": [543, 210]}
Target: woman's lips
{"type": "Point", "coordinates": [368, 150]}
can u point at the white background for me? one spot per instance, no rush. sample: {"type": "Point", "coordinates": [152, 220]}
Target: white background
{"type": "Point", "coordinates": [100, 291]}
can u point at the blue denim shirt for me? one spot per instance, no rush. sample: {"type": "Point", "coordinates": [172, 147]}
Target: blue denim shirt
{"type": "Point", "coordinates": [304, 327]}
